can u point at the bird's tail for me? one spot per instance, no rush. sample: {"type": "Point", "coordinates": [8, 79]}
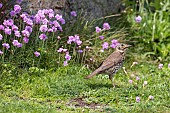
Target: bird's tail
{"type": "Point", "coordinates": [93, 74]}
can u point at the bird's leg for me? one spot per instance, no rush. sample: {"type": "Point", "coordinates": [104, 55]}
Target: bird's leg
{"type": "Point", "coordinates": [111, 78]}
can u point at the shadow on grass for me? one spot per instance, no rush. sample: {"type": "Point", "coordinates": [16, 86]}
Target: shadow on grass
{"type": "Point", "coordinates": [99, 85]}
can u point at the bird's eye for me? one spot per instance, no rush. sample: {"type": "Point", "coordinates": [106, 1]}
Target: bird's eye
{"type": "Point", "coordinates": [122, 44]}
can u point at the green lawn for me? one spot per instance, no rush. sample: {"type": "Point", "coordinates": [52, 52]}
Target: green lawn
{"type": "Point", "coordinates": [66, 91]}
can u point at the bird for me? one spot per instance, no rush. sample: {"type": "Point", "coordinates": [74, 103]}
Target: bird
{"type": "Point", "coordinates": [112, 63]}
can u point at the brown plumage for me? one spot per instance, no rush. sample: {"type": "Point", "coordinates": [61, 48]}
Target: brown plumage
{"type": "Point", "coordinates": [112, 63]}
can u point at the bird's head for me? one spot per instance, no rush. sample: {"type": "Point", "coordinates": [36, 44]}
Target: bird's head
{"type": "Point", "coordinates": [122, 47]}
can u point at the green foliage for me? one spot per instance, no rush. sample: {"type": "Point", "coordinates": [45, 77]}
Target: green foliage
{"type": "Point", "coordinates": [152, 34]}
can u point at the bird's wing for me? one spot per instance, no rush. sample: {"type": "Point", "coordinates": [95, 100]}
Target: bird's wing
{"type": "Point", "coordinates": [110, 61]}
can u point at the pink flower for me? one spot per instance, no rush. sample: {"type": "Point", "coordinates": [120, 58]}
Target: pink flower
{"type": "Point", "coordinates": [160, 66]}
{"type": "Point", "coordinates": [1, 37]}
{"type": "Point", "coordinates": [1, 5]}
{"type": "Point", "coordinates": [169, 65]}
{"type": "Point", "coordinates": [105, 45]}
{"type": "Point", "coordinates": [17, 8]}
{"type": "Point", "coordinates": [37, 54]}
{"type": "Point", "coordinates": [12, 13]}
{"type": "Point", "coordinates": [1, 27]}
{"type": "Point", "coordinates": [19, 45]}
{"type": "Point", "coordinates": [25, 33]}
{"type": "Point", "coordinates": [15, 42]}
{"type": "Point", "coordinates": [138, 19]}
{"type": "Point", "coordinates": [43, 37]}
{"type": "Point", "coordinates": [101, 37]}
{"type": "Point", "coordinates": [151, 97]}
{"type": "Point", "coordinates": [65, 63]}
{"type": "Point", "coordinates": [58, 17]}
{"type": "Point", "coordinates": [106, 26]}
{"type": "Point", "coordinates": [130, 81]}
{"type": "Point", "coordinates": [43, 28]}
{"type": "Point", "coordinates": [98, 29]}
{"type": "Point", "coordinates": [6, 45]}
{"type": "Point", "coordinates": [73, 13]}
{"type": "Point", "coordinates": [145, 83]}
{"type": "Point", "coordinates": [1, 52]}
{"type": "Point", "coordinates": [25, 39]}
{"type": "Point", "coordinates": [14, 28]}
{"type": "Point", "coordinates": [67, 56]}
{"type": "Point", "coordinates": [79, 42]}
{"type": "Point", "coordinates": [17, 34]}
{"type": "Point", "coordinates": [28, 28]}
{"type": "Point", "coordinates": [137, 99]}
{"type": "Point", "coordinates": [7, 31]}
{"type": "Point", "coordinates": [137, 78]}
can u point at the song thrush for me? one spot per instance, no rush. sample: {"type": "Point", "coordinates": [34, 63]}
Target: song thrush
{"type": "Point", "coordinates": [112, 63]}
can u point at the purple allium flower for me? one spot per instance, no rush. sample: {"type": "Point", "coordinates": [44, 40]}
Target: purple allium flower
{"type": "Point", "coordinates": [137, 78]}
{"type": "Point", "coordinates": [43, 28]}
{"type": "Point", "coordinates": [80, 51]}
{"type": "Point", "coordinates": [138, 19]}
{"type": "Point", "coordinates": [15, 42]}
{"type": "Point", "coordinates": [14, 28]}
{"type": "Point", "coordinates": [169, 65]}
{"type": "Point", "coordinates": [114, 44]}
{"type": "Point", "coordinates": [37, 54]}
{"type": "Point", "coordinates": [101, 37]}
{"type": "Point", "coordinates": [1, 27]}
{"type": "Point", "coordinates": [62, 21]}
{"type": "Point", "coordinates": [67, 56]}
{"type": "Point", "coordinates": [151, 97]}
{"type": "Point", "coordinates": [7, 31]}
{"type": "Point", "coordinates": [105, 45]}
{"type": "Point", "coordinates": [50, 30]}
{"type": "Point", "coordinates": [58, 17]}
{"type": "Point", "coordinates": [1, 37]}
{"type": "Point", "coordinates": [51, 15]}
{"type": "Point", "coordinates": [17, 33]}
{"type": "Point", "coordinates": [79, 42]}
{"type": "Point", "coordinates": [160, 66]}
{"type": "Point", "coordinates": [137, 99]}
{"type": "Point", "coordinates": [130, 81]}
{"type": "Point", "coordinates": [43, 37]}
{"type": "Point", "coordinates": [25, 33]}
{"type": "Point", "coordinates": [70, 39]}
{"type": "Point", "coordinates": [55, 23]}
{"type": "Point", "coordinates": [6, 45]}
{"type": "Point", "coordinates": [8, 22]}
{"type": "Point", "coordinates": [97, 29]}
{"type": "Point", "coordinates": [60, 50]}
{"type": "Point", "coordinates": [19, 45]}
{"type": "Point", "coordinates": [1, 5]}
{"type": "Point", "coordinates": [25, 39]}
{"type": "Point", "coordinates": [45, 21]}
{"type": "Point", "coordinates": [28, 28]}
{"type": "Point", "coordinates": [12, 13]}
{"type": "Point", "coordinates": [106, 26]}
{"type": "Point", "coordinates": [145, 83]}
{"type": "Point", "coordinates": [65, 63]}
{"type": "Point", "coordinates": [17, 8]}
{"type": "Point", "coordinates": [64, 50]}
{"type": "Point", "coordinates": [73, 13]}
{"type": "Point", "coordinates": [1, 52]}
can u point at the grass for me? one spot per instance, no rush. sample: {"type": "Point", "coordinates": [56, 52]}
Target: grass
{"type": "Point", "coordinates": [66, 91]}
